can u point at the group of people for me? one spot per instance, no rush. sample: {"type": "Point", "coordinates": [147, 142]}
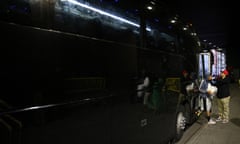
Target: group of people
{"type": "Point", "coordinates": [207, 89]}
{"type": "Point", "coordinates": [210, 87]}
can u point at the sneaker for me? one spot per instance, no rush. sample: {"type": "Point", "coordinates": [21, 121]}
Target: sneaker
{"type": "Point", "coordinates": [225, 121]}
{"type": "Point", "coordinates": [219, 119]}
{"type": "Point", "coordinates": [211, 121]}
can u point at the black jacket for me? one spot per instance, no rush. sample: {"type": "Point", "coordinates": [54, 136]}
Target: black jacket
{"type": "Point", "coordinates": [223, 87]}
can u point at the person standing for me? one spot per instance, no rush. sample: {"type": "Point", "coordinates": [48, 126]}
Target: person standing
{"type": "Point", "coordinates": [206, 94]}
{"type": "Point", "coordinates": [145, 87]}
{"type": "Point", "coordinates": [223, 96]}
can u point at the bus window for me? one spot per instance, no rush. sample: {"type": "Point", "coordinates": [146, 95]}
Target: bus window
{"type": "Point", "coordinates": [98, 20]}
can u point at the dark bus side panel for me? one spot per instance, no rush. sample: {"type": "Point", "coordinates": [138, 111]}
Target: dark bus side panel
{"type": "Point", "coordinates": [69, 75]}
{"type": "Point", "coordinates": [39, 68]}
{"type": "Point", "coordinates": [41, 60]}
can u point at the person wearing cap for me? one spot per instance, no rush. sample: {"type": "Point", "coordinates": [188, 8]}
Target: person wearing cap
{"type": "Point", "coordinates": [223, 96]}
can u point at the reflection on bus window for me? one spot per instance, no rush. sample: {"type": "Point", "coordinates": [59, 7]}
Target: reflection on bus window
{"type": "Point", "coordinates": [97, 19]}
{"type": "Point", "coordinates": [86, 18]}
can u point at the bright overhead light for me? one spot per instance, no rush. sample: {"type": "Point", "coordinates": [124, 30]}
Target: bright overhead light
{"type": "Point", "coordinates": [105, 13]}
{"type": "Point", "coordinates": [149, 7]}
{"type": "Point", "coordinates": [173, 21]}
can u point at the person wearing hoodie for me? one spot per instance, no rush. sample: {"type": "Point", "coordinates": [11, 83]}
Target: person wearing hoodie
{"type": "Point", "coordinates": [223, 96]}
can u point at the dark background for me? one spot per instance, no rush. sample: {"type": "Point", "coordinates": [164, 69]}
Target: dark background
{"type": "Point", "coordinates": [215, 21]}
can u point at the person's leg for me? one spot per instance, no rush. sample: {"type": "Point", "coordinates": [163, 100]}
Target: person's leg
{"type": "Point", "coordinates": [226, 109]}
{"type": "Point", "coordinates": [220, 109]}
{"type": "Point", "coordinates": [208, 110]}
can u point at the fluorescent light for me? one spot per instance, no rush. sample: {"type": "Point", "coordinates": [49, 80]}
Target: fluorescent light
{"type": "Point", "coordinates": [105, 13]}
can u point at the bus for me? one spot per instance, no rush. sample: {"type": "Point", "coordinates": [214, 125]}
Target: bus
{"type": "Point", "coordinates": [70, 71]}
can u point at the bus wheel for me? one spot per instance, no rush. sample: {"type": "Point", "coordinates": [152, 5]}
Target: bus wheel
{"type": "Point", "coordinates": [180, 125]}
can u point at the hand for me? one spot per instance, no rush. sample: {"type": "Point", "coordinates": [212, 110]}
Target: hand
{"type": "Point", "coordinates": [209, 77]}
